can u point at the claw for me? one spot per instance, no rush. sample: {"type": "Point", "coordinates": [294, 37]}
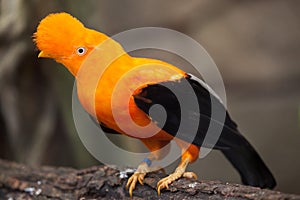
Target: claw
{"type": "Point", "coordinates": [138, 176]}
{"type": "Point", "coordinates": [190, 175]}
{"type": "Point", "coordinates": [165, 182]}
{"type": "Point", "coordinates": [131, 183]}
{"type": "Point", "coordinates": [141, 179]}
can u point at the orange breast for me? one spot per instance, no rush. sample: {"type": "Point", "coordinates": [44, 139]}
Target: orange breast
{"type": "Point", "coordinates": [110, 96]}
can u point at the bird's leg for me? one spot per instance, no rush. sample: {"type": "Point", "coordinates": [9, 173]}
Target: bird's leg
{"type": "Point", "coordinates": [156, 154]}
{"type": "Point", "coordinates": [179, 172]}
{"type": "Point", "coordinates": [189, 155]}
{"type": "Point", "coordinates": [139, 174]}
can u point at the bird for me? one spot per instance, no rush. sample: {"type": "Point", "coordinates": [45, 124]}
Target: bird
{"type": "Point", "coordinates": [62, 37]}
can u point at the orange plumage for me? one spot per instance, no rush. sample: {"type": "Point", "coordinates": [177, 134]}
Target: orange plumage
{"type": "Point", "coordinates": [110, 82]}
{"type": "Point", "coordinates": [62, 47]}
{"type": "Point", "coordinates": [60, 35]}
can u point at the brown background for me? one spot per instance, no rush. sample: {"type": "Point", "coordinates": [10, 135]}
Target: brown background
{"type": "Point", "coordinates": [255, 44]}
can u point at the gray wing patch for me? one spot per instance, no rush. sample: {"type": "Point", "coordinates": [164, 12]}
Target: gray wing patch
{"type": "Point", "coordinates": [207, 87]}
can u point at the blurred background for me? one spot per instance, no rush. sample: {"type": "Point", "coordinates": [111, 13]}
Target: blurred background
{"type": "Point", "coordinates": [255, 44]}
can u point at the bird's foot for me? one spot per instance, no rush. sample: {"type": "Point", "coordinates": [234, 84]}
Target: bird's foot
{"type": "Point", "coordinates": [138, 176]}
{"type": "Point", "coordinates": [131, 183]}
{"type": "Point", "coordinates": [165, 182]}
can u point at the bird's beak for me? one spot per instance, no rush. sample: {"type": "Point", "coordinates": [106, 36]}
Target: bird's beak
{"type": "Point", "coordinates": [43, 55]}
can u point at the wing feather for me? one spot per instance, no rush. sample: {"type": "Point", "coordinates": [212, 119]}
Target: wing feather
{"type": "Point", "coordinates": [162, 94]}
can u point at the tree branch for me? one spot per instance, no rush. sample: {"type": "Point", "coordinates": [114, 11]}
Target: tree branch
{"type": "Point", "coordinates": [18, 181]}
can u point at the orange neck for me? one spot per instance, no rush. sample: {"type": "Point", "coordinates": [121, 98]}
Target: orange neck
{"type": "Point", "coordinates": [108, 79]}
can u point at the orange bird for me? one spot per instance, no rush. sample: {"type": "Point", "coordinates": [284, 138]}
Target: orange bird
{"type": "Point", "coordinates": [145, 82]}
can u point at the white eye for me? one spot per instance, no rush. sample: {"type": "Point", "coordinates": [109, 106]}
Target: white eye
{"type": "Point", "coordinates": [81, 51]}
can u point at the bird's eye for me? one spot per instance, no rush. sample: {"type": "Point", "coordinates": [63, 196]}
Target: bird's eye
{"type": "Point", "coordinates": [81, 51]}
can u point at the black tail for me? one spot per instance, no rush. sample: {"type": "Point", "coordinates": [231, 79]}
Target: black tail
{"type": "Point", "coordinates": [235, 147]}
{"type": "Point", "coordinates": [252, 169]}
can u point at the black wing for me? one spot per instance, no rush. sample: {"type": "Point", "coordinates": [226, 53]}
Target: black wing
{"type": "Point", "coordinates": [233, 145]}
{"type": "Point", "coordinates": [163, 94]}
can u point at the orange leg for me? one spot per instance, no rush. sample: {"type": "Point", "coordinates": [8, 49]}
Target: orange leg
{"type": "Point", "coordinates": [189, 154]}
{"type": "Point", "coordinates": [156, 154]}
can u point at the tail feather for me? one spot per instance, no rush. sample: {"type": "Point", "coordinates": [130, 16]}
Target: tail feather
{"type": "Point", "coordinates": [249, 164]}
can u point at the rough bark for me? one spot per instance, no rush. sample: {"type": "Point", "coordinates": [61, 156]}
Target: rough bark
{"type": "Point", "coordinates": [18, 181]}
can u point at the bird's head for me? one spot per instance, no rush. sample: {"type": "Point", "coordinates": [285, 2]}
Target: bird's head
{"type": "Point", "coordinates": [63, 38]}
